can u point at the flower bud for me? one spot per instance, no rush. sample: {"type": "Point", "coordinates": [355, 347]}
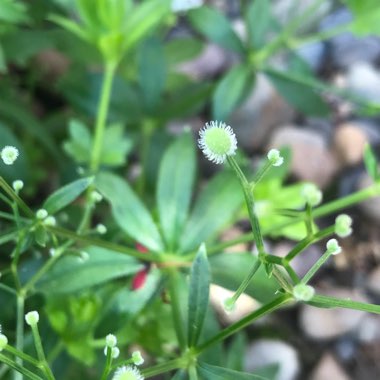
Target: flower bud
{"type": "Point", "coordinates": [343, 225]}
{"type": "Point", "coordinates": [127, 373]}
{"type": "Point", "coordinates": [303, 292]}
{"type": "Point", "coordinates": [311, 194]}
{"type": "Point", "coordinates": [137, 358]}
{"type": "Point", "coordinates": [17, 185]}
{"type": "Point", "coordinates": [3, 341]}
{"type": "Point", "coordinates": [111, 340]}
{"type": "Point", "coordinates": [333, 247]}
{"type": "Point", "coordinates": [275, 158]}
{"type": "Point", "coordinates": [41, 214]}
{"type": "Point", "coordinates": [9, 154]}
{"type": "Point", "coordinates": [32, 318]}
{"type": "Point", "coordinates": [101, 229]}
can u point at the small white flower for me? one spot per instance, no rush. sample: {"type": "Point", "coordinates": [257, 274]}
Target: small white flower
{"type": "Point", "coordinates": [50, 221]}
{"type": "Point", "coordinates": [217, 141]}
{"type": "Point", "coordinates": [303, 292]}
{"type": "Point", "coordinates": [101, 229]}
{"type": "Point", "coordinates": [184, 5]}
{"type": "Point", "coordinates": [333, 247]}
{"type": "Point", "coordinates": [17, 185]}
{"type": "Point", "coordinates": [137, 358]}
{"type": "Point", "coordinates": [111, 340]}
{"type": "Point", "coordinates": [127, 373]}
{"type": "Point", "coordinates": [3, 341]}
{"type": "Point", "coordinates": [9, 154]}
{"type": "Point", "coordinates": [311, 194]}
{"type": "Point", "coordinates": [96, 197]}
{"type": "Point", "coordinates": [275, 158]}
{"type": "Point", "coordinates": [343, 225]}
{"type": "Point", "coordinates": [41, 214]}
{"type": "Point", "coordinates": [32, 318]}
{"type": "Point", "coordinates": [115, 352]}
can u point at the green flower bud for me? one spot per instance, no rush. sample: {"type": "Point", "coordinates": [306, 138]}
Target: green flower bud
{"type": "Point", "coordinates": [303, 292]}
{"type": "Point", "coordinates": [343, 225]}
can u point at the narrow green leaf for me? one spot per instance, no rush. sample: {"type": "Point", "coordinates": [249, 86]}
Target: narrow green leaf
{"type": "Point", "coordinates": [327, 302]}
{"type": "Point", "coordinates": [129, 212]}
{"type": "Point", "coordinates": [72, 273]}
{"type": "Point", "coordinates": [174, 188]}
{"type": "Point", "coordinates": [231, 91]}
{"type": "Point", "coordinates": [198, 295]}
{"type": "Point", "coordinates": [152, 71]}
{"type": "Point", "coordinates": [179, 50]}
{"type": "Point", "coordinates": [301, 91]}
{"type": "Point", "coordinates": [370, 162]}
{"type": "Point", "coordinates": [215, 26]}
{"type": "Point", "coordinates": [213, 209]}
{"type": "Point", "coordinates": [210, 372]}
{"type": "Point", "coordinates": [66, 194]}
{"type": "Point", "coordinates": [258, 19]}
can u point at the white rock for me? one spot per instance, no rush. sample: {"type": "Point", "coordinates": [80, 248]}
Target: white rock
{"type": "Point", "coordinates": [328, 368]}
{"type": "Point", "coordinates": [244, 305]}
{"type": "Point", "coordinates": [265, 352]}
{"type": "Point", "coordinates": [260, 114]}
{"type": "Point", "coordinates": [321, 323]}
{"type": "Point", "coordinates": [311, 159]}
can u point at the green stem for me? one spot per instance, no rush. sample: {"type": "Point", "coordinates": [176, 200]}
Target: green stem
{"type": "Point", "coordinates": [244, 322]}
{"type": "Point", "coordinates": [22, 355]}
{"type": "Point", "coordinates": [20, 301]}
{"type": "Point", "coordinates": [107, 367]}
{"type": "Point", "coordinates": [243, 286]}
{"type": "Point", "coordinates": [248, 195]}
{"type": "Point", "coordinates": [193, 373]}
{"type": "Point", "coordinates": [19, 368]}
{"type": "Point", "coordinates": [164, 367]}
{"type": "Point", "coordinates": [314, 269]}
{"type": "Point", "coordinates": [101, 118]}
{"type": "Point", "coordinates": [178, 318]}
{"type": "Point", "coordinates": [40, 352]}
{"type": "Point", "coordinates": [261, 173]}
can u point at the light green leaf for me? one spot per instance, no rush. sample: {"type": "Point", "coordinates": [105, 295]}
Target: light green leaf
{"type": "Point", "coordinates": [179, 50]}
{"type": "Point", "coordinates": [231, 91]}
{"type": "Point", "coordinates": [213, 209]}
{"type": "Point", "coordinates": [66, 194]}
{"type": "Point", "coordinates": [198, 295]}
{"type": "Point", "coordinates": [129, 212]}
{"type": "Point", "coordinates": [366, 17]}
{"type": "Point", "coordinates": [115, 146]}
{"type": "Point", "coordinates": [72, 273]}
{"type": "Point", "coordinates": [258, 19]}
{"type": "Point", "coordinates": [210, 372]}
{"type": "Point", "coordinates": [78, 147]}
{"type": "Point", "coordinates": [174, 188]}
{"type": "Point", "coordinates": [13, 12]}
{"type": "Point", "coordinates": [370, 162]}
{"type": "Point", "coordinates": [213, 25]}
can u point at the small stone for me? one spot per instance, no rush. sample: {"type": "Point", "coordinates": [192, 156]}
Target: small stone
{"type": "Point", "coordinates": [313, 54]}
{"type": "Point", "coordinates": [373, 281]}
{"type": "Point", "coordinates": [259, 115]}
{"type": "Point", "coordinates": [371, 206]}
{"type": "Point", "coordinates": [209, 63]}
{"type": "Point", "coordinates": [349, 143]}
{"type": "Point", "coordinates": [369, 329]}
{"type": "Point", "coordinates": [265, 352]}
{"type": "Point", "coordinates": [346, 49]}
{"type": "Point", "coordinates": [311, 159]}
{"type": "Point", "coordinates": [329, 368]}
{"type": "Point", "coordinates": [322, 324]}
{"type": "Point", "coordinates": [363, 80]}
{"type": "Point", "coordinates": [243, 306]}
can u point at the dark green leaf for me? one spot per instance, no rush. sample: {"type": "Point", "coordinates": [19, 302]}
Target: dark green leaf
{"type": "Point", "coordinates": [129, 212]}
{"type": "Point", "coordinates": [210, 372]}
{"type": "Point", "coordinates": [208, 217]}
{"type": "Point", "coordinates": [198, 295]}
{"type": "Point", "coordinates": [73, 273]}
{"type": "Point", "coordinates": [152, 71]}
{"type": "Point", "coordinates": [174, 188]}
{"type": "Point", "coordinates": [66, 194]}
{"type": "Point", "coordinates": [231, 91]}
{"type": "Point", "coordinates": [370, 162]}
{"type": "Point", "coordinates": [300, 91]}
{"type": "Point", "coordinates": [182, 49]}
{"type": "Point", "coordinates": [228, 270]}
{"type": "Point", "coordinates": [236, 351]}
{"type": "Point", "coordinates": [214, 26]}
{"type": "Point", "coordinates": [258, 20]}
{"type": "Point", "coordinates": [40, 235]}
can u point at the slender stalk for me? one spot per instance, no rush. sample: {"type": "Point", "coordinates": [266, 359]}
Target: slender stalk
{"type": "Point", "coordinates": [164, 367]}
{"type": "Point", "coordinates": [261, 173]}
{"type": "Point", "coordinates": [19, 368]}
{"type": "Point", "coordinates": [244, 322]}
{"type": "Point", "coordinates": [101, 118]}
{"type": "Point", "coordinates": [22, 355]}
{"type": "Point", "coordinates": [19, 333]}
{"type": "Point", "coordinates": [40, 352]}
{"type": "Point", "coordinates": [178, 319]}
{"type": "Point", "coordinates": [248, 195]}
{"type": "Point", "coordinates": [314, 269]}
{"type": "Point", "coordinates": [107, 367]}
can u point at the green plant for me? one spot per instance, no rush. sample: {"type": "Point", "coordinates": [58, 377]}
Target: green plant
{"type": "Point", "coordinates": [81, 276]}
